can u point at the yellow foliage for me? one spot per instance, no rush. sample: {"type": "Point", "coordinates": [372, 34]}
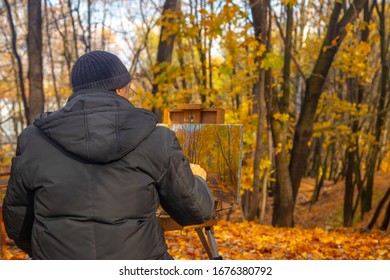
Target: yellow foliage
{"type": "Point", "coordinates": [278, 148]}
{"type": "Point", "coordinates": [171, 21]}
{"type": "Point", "coordinates": [246, 176]}
{"type": "Point", "coordinates": [353, 56]}
{"type": "Point", "coordinates": [281, 117]}
{"type": "Point", "coordinates": [385, 163]}
{"type": "Point", "coordinates": [335, 117]}
{"type": "Point", "coordinates": [289, 2]}
{"type": "Point", "coordinates": [273, 61]}
{"type": "Point", "coordinates": [265, 164]}
{"type": "Point", "coordinates": [372, 26]}
{"type": "Point", "coordinates": [6, 154]}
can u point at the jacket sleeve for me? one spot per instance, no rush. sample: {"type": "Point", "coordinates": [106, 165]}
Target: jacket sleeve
{"type": "Point", "coordinates": [184, 196]}
{"type": "Point", "coordinates": [18, 208]}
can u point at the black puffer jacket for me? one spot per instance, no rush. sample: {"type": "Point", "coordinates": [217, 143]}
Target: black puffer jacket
{"type": "Point", "coordinates": [87, 180]}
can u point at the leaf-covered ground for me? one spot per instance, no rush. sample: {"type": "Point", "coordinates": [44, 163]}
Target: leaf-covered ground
{"type": "Point", "coordinates": [318, 234]}
{"type": "Point", "coordinates": [250, 241]}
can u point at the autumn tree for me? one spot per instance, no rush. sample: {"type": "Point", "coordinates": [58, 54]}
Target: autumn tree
{"type": "Point", "coordinates": [165, 46]}
{"type": "Point", "coordinates": [382, 106]}
{"type": "Point", "coordinates": [278, 108]}
{"type": "Point", "coordinates": [355, 80]}
{"type": "Point", "coordinates": [17, 56]}
{"type": "Point", "coordinates": [259, 13]}
{"type": "Point", "coordinates": [35, 71]}
{"type": "Point", "coordinates": [51, 56]}
{"type": "Point", "coordinates": [263, 91]}
{"type": "Point", "coordinates": [314, 87]}
{"type": "Point", "coordinates": [344, 138]}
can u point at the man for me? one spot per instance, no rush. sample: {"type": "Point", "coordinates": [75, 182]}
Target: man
{"type": "Point", "coordinates": [86, 180]}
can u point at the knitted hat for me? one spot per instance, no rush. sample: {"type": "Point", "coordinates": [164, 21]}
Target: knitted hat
{"type": "Point", "coordinates": [100, 70]}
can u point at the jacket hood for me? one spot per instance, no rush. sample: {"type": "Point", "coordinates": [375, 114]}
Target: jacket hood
{"type": "Point", "coordinates": [97, 125]}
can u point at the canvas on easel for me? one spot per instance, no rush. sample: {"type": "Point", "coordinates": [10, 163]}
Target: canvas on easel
{"type": "Point", "coordinates": [217, 148]}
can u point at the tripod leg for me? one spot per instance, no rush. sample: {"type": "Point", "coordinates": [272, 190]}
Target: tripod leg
{"type": "Point", "coordinates": [213, 243]}
{"type": "Point", "coordinates": [204, 242]}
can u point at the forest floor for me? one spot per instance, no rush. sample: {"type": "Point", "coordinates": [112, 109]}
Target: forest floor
{"type": "Point", "coordinates": [318, 232]}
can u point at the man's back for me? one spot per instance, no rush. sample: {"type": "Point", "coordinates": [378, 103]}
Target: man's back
{"type": "Point", "coordinates": [96, 171]}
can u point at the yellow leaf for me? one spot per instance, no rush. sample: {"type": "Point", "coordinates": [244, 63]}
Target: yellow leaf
{"type": "Point", "coordinates": [281, 117]}
{"type": "Point", "coordinates": [289, 2]}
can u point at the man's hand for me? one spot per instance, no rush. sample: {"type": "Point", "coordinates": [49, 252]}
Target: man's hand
{"type": "Point", "coordinates": [197, 170]}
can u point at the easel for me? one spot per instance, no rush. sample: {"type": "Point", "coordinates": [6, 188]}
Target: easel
{"type": "Point", "coordinates": [195, 114]}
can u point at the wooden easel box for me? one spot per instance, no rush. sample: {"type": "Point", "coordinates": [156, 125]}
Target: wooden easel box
{"type": "Point", "coordinates": [193, 113]}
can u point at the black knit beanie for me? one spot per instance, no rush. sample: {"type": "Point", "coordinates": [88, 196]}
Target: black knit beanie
{"type": "Point", "coordinates": [99, 70]}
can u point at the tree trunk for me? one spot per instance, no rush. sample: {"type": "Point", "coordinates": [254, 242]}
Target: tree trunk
{"type": "Point", "coordinates": [210, 45]}
{"type": "Point", "coordinates": [89, 26]}
{"type": "Point", "coordinates": [283, 195]}
{"type": "Point", "coordinates": [265, 179]}
{"type": "Point", "coordinates": [299, 38]}
{"type": "Point", "coordinates": [285, 101]}
{"type": "Point", "coordinates": [180, 54]}
{"type": "Point", "coordinates": [320, 176]}
{"type": "Point", "coordinates": [17, 107]}
{"type": "Point", "coordinates": [282, 191]}
{"type": "Point", "coordinates": [367, 190]}
{"type": "Point", "coordinates": [259, 151]}
{"type": "Point", "coordinates": [165, 47]}
{"type": "Point", "coordinates": [64, 36]}
{"type": "Point", "coordinates": [35, 72]}
{"type": "Point", "coordinates": [19, 61]}
{"type": "Point", "coordinates": [352, 178]}
{"type": "Point", "coordinates": [378, 209]}
{"type": "Point", "coordinates": [259, 14]}
{"type": "Point", "coordinates": [74, 30]}
{"type": "Point", "coordinates": [382, 112]}
{"type": "Point", "coordinates": [83, 31]}
{"type": "Point", "coordinates": [386, 219]}
{"type": "Point", "coordinates": [51, 57]}
{"type": "Point", "coordinates": [201, 46]}
{"type": "Point", "coordinates": [314, 86]}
